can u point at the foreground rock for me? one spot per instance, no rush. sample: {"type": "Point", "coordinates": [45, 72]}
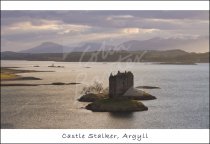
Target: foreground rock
{"type": "Point", "coordinates": [116, 105]}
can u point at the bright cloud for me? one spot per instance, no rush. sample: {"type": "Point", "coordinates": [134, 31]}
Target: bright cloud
{"type": "Point", "coordinates": [44, 25]}
{"type": "Point", "coordinates": [137, 30]}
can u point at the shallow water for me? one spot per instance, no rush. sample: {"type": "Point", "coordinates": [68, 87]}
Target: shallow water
{"type": "Point", "coordinates": [182, 101]}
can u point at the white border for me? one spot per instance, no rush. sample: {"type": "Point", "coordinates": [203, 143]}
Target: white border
{"type": "Point", "coordinates": [153, 135]}
{"type": "Point", "coordinates": [104, 5]}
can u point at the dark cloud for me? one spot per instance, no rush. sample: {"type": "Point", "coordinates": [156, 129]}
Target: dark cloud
{"type": "Point", "coordinates": [98, 17]}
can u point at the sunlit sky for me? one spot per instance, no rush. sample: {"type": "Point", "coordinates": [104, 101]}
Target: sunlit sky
{"type": "Point", "coordinates": [25, 29]}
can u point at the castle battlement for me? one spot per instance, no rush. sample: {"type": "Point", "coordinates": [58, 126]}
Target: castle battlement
{"type": "Point", "coordinates": [120, 83]}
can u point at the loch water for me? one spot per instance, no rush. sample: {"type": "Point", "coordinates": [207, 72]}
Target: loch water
{"type": "Point", "coordinates": [182, 100]}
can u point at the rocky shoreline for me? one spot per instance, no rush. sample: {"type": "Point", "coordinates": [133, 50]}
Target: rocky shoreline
{"type": "Point", "coordinates": [116, 105]}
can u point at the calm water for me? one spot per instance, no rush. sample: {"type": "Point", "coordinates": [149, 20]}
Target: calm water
{"type": "Point", "coordinates": [182, 101]}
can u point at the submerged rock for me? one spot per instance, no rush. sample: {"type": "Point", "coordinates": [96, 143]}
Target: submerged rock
{"type": "Point", "coordinates": [148, 87]}
{"type": "Point", "coordinates": [62, 83]}
{"type": "Point", "coordinates": [73, 83]}
{"type": "Point", "coordinates": [28, 78]}
{"type": "Point", "coordinates": [116, 105]}
{"type": "Point", "coordinates": [56, 66]}
{"type": "Point", "coordinates": [58, 83]}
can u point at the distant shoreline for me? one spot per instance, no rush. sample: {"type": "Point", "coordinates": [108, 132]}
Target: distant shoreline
{"type": "Point", "coordinates": [110, 62]}
{"type": "Point", "coordinates": [176, 63]}
{"type": "Point", "coordinates": [167, 56]}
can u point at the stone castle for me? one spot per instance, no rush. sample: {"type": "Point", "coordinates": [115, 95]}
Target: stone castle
{"type": "Point", "coordinates": [120, 83]}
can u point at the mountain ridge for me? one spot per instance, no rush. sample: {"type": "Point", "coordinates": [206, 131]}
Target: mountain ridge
{"type": "Point", "coordinates": [131, 45]}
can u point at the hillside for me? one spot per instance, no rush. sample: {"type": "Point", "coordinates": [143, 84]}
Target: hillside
{"type": "Point", "coordinates": [46, 47]}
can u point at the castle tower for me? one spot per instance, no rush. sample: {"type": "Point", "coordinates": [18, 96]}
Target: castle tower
{"type": "Point", "coordinates": [120, 83]}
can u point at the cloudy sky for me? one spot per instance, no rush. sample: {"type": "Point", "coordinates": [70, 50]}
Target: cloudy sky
{"type": "Point", "coordinates": [25, 29]}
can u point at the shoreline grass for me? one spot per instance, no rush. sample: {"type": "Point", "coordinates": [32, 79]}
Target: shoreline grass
{"type": "Point", "coordinates": [9, 73]}
{"type": "Point", "coordinates": [5, 76]}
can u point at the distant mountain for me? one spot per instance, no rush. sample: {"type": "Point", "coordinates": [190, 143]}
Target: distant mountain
{"type": "Point", "coordinates": [90, 47]}
{"type": "Point", "coordinates": [50, 47]}
{"type": "Point", "coordinates": [198, 44]}
{"type": "Point", "coordinates": [151, 50]}
{"type": "Point", "coordinates": [190, 45]}
{"type": "Point", "coordinates": [47, 47]}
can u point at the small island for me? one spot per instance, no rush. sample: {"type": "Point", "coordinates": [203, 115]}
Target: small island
{"type": "Point", "coordinates": [62, 83]}
{"type": "Point", "coordinates": [56, 66]}
{"type": "Point", "coordinates": [10, 74]}
{"type": "Point", "coordinates": [178, 63]}
{"type": "Point", "coordinates": [147, 87]}
{"type": "Point", "coordinates": [121, 96]}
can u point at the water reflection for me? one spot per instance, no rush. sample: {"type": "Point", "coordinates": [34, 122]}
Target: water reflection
{"type": "Point", "coordinates": [120, 115]}
{"type": "Point", "coordinates": [184, 91]}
